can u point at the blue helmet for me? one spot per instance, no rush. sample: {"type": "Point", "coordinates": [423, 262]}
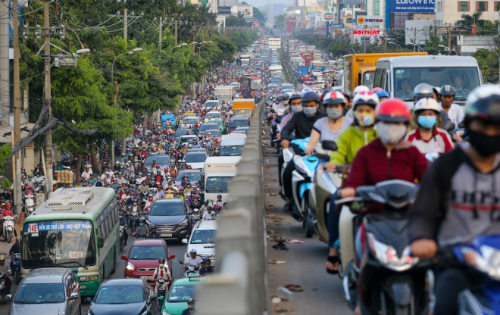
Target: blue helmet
{"type": "Point", "coordinates": [310, 96]}
{"type": "Point", "coordinates": [382, 93]}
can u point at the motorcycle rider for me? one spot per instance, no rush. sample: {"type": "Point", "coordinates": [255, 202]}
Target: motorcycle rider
{"type": "Point", "coordinates": [206, 268]}
{"type": "Point", "coordinates": [454, 111]}
{"type": "Point", "coordinates": [428, 137]}
{"type": "Point", "coordinates": [142, 229]}
{"type": "Point", "coordinates": [162, 271]}
{"type": "Point", "coordinates": [424, 90]}
{"type": "Point", "coordinates": [124, 223]}
{"type": "Point", "coordinates": [209, 214]}
{"type": "Point", "coordinates": [191, 307]}
{"type": "Point", "coordinates": [193, 260]}
{"type": "Point", "coordinates": [302, 123]}
{"type": "Point", "coordinates": [154, 233]}
{"type": "Point", "coordinates": [149, 202]}
{"type": "Point", "coordinates": [458, 184]}
{"type": "Point", "coordinates": [15, 248]}
{"type": "Point", "coordinates": [6, 212]}
{"type": "Point", "coordinates": [330, 127]}
{"type": "Point", "coordinates": [5, 270]}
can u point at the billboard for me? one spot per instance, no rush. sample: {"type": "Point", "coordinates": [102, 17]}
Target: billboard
{"type": "Point", "coordinates": [413, 6]}
{"type": "Point", "coordinates": [327, 16]}
{"type": "Point", "coordinates": [224, 10]}
{"type": "Point", "coordinates": [370, 20]}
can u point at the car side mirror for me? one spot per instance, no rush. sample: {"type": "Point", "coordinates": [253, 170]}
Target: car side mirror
{"type": "Point", "coordinates": [100, 242]}
{"type": "Point", "coordinates": [449, 126]}
{"type": "Point", "coordinates": [124, 257]}
{"type": "Point", "coordinates": [184, 241]}
{"type": "Point", "coordinates": [329, 145]}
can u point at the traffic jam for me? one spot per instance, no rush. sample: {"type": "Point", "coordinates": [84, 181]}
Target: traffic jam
{"type": "Point", "coordinates": [395, 168]}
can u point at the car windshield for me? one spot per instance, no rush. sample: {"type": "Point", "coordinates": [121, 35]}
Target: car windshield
{"type": "Point", "coordinates": [213, 115]}
{"type": "Point", "coordinates": [206, 127]}
{"type": "Point", "coordinates": [192, 177]}
{"type": "Point", "coordinates": [59, 242]}
{"type": "Point", "coordinates": [231, 150]}
{"type": "Point", "coordinates": [239, 123]}
{"type": "Point", "coordinates": [191, 121]}
{"type": "Point", "coordinates": [167, 209]}
{"type": "Point", "coordinates": [244, 112]}
{"type": "Point", "coordinates": [218, 184]}
{"type": "Point", "coordinates": [159, 159]}
{"type": "Point", "coordinates": [211, 104]}
{"type": "Point", "coordinates": [195, 158]}
{"type": "Point", "coordinates": [287, 87]}
{"type": "Point", "coordinates": [203, 237]}
{"type": "Point", "coordinates": [181, 132]}
{"type": "Point", "coordinates": [119, 295]}
{"type": "Point", "coordinates": [463, 79]}
{"type": "Point", "coordinates": [180, 293]}
{"type": "Point", "coordinates": [40, 293]}
{"type": "Point", "coordinates": [214, 133]}
{"type": "Point", "coordinates": [147, 253]}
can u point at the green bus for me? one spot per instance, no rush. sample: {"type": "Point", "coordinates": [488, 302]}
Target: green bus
{"type": "Point", "coordinates": [76, 228]}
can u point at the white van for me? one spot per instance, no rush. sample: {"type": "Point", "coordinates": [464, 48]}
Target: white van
{"type": "Point", "coordinates": [399, 75]}
{"type": "Point", "coordinates": [219, 172]}
{"type": "Point", "coordinates": [232, 144]}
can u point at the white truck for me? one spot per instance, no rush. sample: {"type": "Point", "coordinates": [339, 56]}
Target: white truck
{"type": "Point", "coordinates": [274, 43]}
{"type": "Point", "coordinates": [232, 144]}
{"type": "Point", "coordinates": [219, 172]}
{"type": "Point", "coordinates": [224, 93]}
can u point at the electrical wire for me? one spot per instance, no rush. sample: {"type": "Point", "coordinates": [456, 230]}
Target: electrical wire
{"type": "Point", "coordinates": [20, 15]}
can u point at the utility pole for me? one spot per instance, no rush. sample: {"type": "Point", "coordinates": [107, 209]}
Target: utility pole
{"type": "Point", "coordinates": [48, 96]}
{"type": "Point", "coordinates": [449, 40]}
{"type": "Point", "coordinates": [125, 21]}
{"type": "Point", "coordinates": [160, 36]}
{"type": "Point", "coordinates": [17, 109]}
{"type": "Point", "coordinates": [4, 60]}
{"type": "Point", "coordinates": [175, 32]}
{"type": "Point", "coordinates": [414, 39]}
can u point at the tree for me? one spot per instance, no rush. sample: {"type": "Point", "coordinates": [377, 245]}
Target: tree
{"type": "Point", "coordinates": [280, 23]}
{"type": "Point", "coordinates": [259, 16]}
{"type": "Point", "coordinates": [236, 20]}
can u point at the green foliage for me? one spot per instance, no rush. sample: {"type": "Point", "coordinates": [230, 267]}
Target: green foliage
{"type": "Point", "coordinates": [259, 16]}
{"type": "Point", "coordinates": [242, 39]}
{"type": "Point", "coordinates": [236, 20]}
{"type": "Point", "coordinates": [5, 154]}
{"type": "Point", "coordinates": [488, 63]}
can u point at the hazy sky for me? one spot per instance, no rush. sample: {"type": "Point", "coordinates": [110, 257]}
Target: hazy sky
{"type": "Point", "coordinates": [258, 3]}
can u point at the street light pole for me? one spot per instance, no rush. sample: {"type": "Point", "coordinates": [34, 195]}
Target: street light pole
{"type": "Point", "coordinates": [125, 53]}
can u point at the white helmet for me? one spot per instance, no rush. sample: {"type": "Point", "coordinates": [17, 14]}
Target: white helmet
{"type": "Point", "coordinates": [365, 98]}
{"type": "Point", "coordinates": [426, 104]}
{"type": "Point", "coordinates": [361, 88]}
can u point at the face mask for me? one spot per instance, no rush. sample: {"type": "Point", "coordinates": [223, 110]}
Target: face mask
{"type": "Point", "coordinates": [310, 111]}
{"type": "Point", "coordinates": [334, 113]}
{"type": "Point", "coordinates": [484, 144]}
{"type": "Point", "coordinates": [391, 133]}
{"type": "Point", "coordinates": [161, 265]}
{"type": "Point", "coordinates": [191, 307]}
{"type": "Point", "coordinates": [141, 224]}
{"type": "Point", "coordinates": [427, 122]}
{"type": "Point", "coordinates": [296, 108]}
{"type": "Point", "coordinates": [364, 119]}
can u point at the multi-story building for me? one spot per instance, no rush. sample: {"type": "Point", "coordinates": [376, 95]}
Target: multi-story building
{"type": "Point", "coordinates": [450, 11]}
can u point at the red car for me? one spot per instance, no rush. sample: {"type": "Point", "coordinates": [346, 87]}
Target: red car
{"type": "Point", "coordinates": [143, 256]}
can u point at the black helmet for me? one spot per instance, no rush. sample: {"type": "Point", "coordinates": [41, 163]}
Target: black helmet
{"type": "Point", "coordinates": [447, 90]}
{"type": "Point", "coordinates": [284, 96]}
{"type": "Point", "coordinates": [191, 301]}
{"type": "Point", "coordinates": [310, 96]}
{"type": "Point", "coordinates": [293, 97]}
{"type": "Point", "coordinates": [483, 103]}
{"type": "Point", "coordinates": [422, 90]}
{"type": "Point", "coordinates": [207, 260]}
{"type": "Point", "coordinates": [161, 260]}
{"type": "Point", "coordinates": [219, 196]}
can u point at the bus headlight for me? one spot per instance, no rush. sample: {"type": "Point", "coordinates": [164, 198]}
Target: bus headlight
{"type": "Point", "coordinates": [89, 278]}
{"type": "Point", "coordinates": [130, 266]}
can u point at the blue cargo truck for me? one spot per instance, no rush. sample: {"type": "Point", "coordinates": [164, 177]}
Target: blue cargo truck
{"type": "Point", "coordinates": [302, 70]}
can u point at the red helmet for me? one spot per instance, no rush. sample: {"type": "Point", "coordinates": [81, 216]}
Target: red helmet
{"type": "Point", "coordinates": [393, 111]}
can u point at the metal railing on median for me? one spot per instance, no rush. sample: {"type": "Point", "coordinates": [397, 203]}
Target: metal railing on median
{"type": "Point", "coordinates": [241, 285]}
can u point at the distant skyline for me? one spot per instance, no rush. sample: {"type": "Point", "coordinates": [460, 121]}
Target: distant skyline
{"type": "Point", "coordinates": [260, 3]}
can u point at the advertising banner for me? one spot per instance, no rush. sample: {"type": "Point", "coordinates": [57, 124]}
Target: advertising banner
{"type": "Point", "coordinates": [328, 16]}
{"type": "Point", "coordinates": [413, 6]}
{"type": "Point", "coordinates": [370, 20]}
{"type": "Point", "coordinates": [366, 32]}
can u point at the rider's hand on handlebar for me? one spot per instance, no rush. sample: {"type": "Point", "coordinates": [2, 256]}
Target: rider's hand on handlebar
{"type": "Point", "coordinates": [285, 143]}
{"type": "Point", "coordinates": [347, 192]}
{"type": "Point", "coordinates": [424, 248]}
{"type": "Point", "coordinates": [309, 150]}
{"type": "Point", "coordinates": [330, 166]}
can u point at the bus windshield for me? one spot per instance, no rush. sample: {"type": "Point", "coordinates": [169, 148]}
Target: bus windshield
{"type": "Point", "coordinates": [57, 243]}
{"type": "Point", "coordinates": [463, 79]}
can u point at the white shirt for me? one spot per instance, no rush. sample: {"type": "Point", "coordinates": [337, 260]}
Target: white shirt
{"type": "Point", "coordinates": [86, 175]}
{"type": "Point", "coordinates": [208, 216]}
{"type": "Point", "coordinates": [455, 113]}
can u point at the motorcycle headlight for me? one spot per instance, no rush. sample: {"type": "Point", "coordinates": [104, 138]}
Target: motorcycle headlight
{"type": "Point", "coordinates": [487, 261]}
{"type": "Point", "coordinates": [388, 256]}
{"type": "Point", "coordinates": [301, 167]}
{"type": "Point", "coordinates": [130, 266]}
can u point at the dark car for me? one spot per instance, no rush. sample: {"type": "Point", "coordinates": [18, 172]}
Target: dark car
{"type": "Point", "coordinates": [170, 218]}
{"type": "Point", "coordinates": [124, 296]}
{"type": "Point", "coordinates": [238, 121]}
{"type": "Point", "coordinates": [205, 127]}
{"type": "Point", "coordinates": [182, 132]}
{"type": "Point", "coordinates": [143, 256]}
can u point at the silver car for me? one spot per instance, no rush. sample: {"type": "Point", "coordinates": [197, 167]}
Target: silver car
{"type": "Point", "coordinates": [47, 291]}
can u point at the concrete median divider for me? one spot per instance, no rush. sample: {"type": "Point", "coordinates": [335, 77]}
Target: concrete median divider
{"type": "Point", "coordinates": [240, 286]}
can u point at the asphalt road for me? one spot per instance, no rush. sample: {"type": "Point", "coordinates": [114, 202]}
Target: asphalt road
{"type": "Point", "coordinates": [176, 248]}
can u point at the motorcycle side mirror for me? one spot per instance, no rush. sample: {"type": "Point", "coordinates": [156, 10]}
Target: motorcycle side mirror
{"type": "Point", "coordinates": [329, 145]}
{"type": "Point", "coordinates": [100, 242]}
{"type": "Point", "coordinates": [172, 256]}
{"type": "Point", "coordinates": [184, 241]}
{"type": "Point", "coordinates": [181, 261]}
{"type": "Point", "coordinates": [124, 257]}
{"type": "Point", "coordinates": [74, 296]}
{"type": "Point", "coordinates": [449, 126]}
{"type": "Point", "coordinates": [8, 297]}
{"type": "Point", "coordinates": [87, 300]}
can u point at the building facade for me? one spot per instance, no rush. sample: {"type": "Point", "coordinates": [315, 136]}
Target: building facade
{"type": "Point", "coordinates": [449, 12]}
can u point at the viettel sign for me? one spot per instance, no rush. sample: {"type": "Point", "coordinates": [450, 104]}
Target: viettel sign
{"type": "Point", "coordinates": [328, 16]}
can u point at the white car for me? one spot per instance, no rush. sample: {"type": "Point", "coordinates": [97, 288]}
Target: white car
{"type": "Point", "coordinates": [196, 160]}
{"type": "Point", "coordinates": [202, 240]}
{"type": "Point", "coordinates": [304, 90]}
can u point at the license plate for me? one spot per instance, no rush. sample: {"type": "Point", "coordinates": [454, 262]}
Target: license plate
{"type": "Point", "coordinates": [166, 234]}
{"type": "Point", "coordinates": [146, 277]}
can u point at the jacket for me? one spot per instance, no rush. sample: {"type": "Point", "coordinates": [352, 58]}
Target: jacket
{"type": "Point", "coordinates": [456, 201]}
{"type": "Point", "coordinates": [374, 164]}
{"type": "Point", "coordinates": [301, 124]}
{"type": "Point", "coordinates": [350, 142]}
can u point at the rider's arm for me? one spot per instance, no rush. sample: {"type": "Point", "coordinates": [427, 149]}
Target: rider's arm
{"type": "Point", "coordinates": [289, 128]}
{"type": "Point", "coordinates": [359, 170]}
{"type": "Point", "coordinates": [339, 157]}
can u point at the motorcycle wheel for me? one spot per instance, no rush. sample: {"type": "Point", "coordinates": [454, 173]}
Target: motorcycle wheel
{"type": "Point", "coordinates": [9, 237]}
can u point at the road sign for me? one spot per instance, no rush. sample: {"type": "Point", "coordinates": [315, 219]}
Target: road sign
{"type": "Point", "coordinates": [328, 16]}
